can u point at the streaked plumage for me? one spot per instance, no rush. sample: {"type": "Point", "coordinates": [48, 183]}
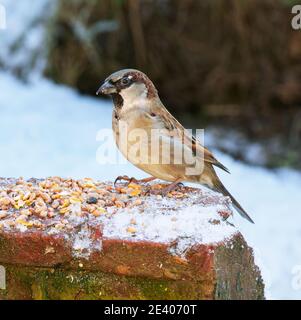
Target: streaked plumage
{"type": "Point", "coordinates": [137, 104]}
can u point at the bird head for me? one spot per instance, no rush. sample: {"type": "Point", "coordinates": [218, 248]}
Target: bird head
{"type": "Point", "coordinates": [130, 84]}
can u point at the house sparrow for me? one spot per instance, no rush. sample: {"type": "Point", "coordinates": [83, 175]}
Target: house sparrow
{"type": "Point", "coordinates": [138, 108]}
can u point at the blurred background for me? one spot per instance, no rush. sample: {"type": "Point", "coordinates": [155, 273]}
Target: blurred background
{"type": "Point", "coordinates": [232, 67]}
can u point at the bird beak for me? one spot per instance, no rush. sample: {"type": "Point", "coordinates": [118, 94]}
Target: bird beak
{"type": "Point", "coordinates": [106, 88]}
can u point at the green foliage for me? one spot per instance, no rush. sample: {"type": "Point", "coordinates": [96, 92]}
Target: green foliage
{"type": "Point", "coordinates": [290, 3]}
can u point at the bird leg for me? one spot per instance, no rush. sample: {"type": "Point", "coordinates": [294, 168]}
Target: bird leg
{"type": "Point", "coordinates": [167, 189]}
{"type": "Point", "coordinates": [130, 180]}
{"type": "Point", "coordinates": [145, 180]}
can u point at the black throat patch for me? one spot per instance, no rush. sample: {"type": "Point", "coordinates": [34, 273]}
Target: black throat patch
{"type": "Point", "coordinates": [117, 100]}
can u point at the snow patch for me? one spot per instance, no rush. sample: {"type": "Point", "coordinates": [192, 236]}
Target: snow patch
{"type": "Point", "coordinates": [168, 221]}
{"type": "Point", "coordinates": [83, 245]}
{"type": "Point", "coordinates": [23, 40]}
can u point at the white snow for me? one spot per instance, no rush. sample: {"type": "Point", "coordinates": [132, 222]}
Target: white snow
{"type": "Point", "coordinates": [83, 244]}
{"type": "Point", "coordinates": [176, 221]}
{"type": "Point", "coordinates": [25, 24]}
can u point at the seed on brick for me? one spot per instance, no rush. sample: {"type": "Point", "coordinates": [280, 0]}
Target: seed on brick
{"type": "Point", "coordinates": [92, 200]}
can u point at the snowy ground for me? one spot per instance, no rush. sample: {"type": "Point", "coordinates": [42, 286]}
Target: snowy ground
{"type": "Point", "coordinates": [22, 42]}
{"type": "Point", "coordinates": [50, 130]}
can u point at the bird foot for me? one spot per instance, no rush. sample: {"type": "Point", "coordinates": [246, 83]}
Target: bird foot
{"type": "Point", "coordinates": [165, 191]}
{"type": "Point", "coordinates": [134, 180]}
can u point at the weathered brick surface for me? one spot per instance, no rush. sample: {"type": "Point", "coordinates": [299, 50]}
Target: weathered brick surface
{"type": "Point", "coordinates": [42, 265]}
{"type": "Point", "coordinates": [128, 270]}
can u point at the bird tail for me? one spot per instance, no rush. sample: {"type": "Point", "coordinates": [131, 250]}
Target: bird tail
{"type": "Point", "coordinates": [218, 186]}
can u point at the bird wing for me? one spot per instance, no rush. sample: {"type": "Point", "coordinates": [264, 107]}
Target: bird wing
{"type": "Point", "coordinates": [174, 127]}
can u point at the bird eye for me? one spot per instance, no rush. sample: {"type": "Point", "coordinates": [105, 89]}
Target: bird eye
{"type": "Point", "coordinates": [125, 81]}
